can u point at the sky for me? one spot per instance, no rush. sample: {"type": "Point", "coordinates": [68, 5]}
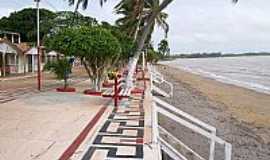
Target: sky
{"type": "Point", "coordinates": [195, 25]}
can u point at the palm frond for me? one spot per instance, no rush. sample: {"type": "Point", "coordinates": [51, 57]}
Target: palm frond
{"type": "Point", "coordinates": [83, 3]}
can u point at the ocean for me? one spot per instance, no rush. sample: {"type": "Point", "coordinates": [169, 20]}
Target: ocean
{"type": "Point", "coordinates": [252, 72]}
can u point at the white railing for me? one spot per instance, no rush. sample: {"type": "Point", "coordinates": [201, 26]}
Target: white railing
{"type": "Point", "coordinates": [158, 78]}
{"type": "Point", "coordinates": [190, 122]}
{"type": "Point", "coordinates": [186, 120]}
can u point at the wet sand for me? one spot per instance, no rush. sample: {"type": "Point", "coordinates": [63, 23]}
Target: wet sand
{"type": "Point", "coordinates": [241, 116]}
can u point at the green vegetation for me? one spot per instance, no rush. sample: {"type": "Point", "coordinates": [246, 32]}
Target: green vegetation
{"type": "Point", "coordinates": [152, 56]}
{"type": "Point", "coordinates": [100, 47]}
{"type": "Point", "coordinates": [127, 44]}
{"type": "Point", "coordinates": [96, 46]}
{"type": "Point", "coordinates": [65, 19]}
{"type": "Point", "coordinates": [138, 22]}
{"type": "Point", "coordinates": [24, 22]}
{"type": "Point", "coordinates": [163, 48]}
{"type": "Point", "coordinates": [61, 68]}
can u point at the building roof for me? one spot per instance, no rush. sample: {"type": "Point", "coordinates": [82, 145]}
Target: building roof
{"type": "Point", "coordinates": [7, 46]}
{"type": "Point", "coordinates": [24, 47]}
{"type": "Point", "coordinates": [8, 32]}
{"type": "Point", "coordinates": [53, 53]}
{"type": "Point", "coordinates": [32, 51]}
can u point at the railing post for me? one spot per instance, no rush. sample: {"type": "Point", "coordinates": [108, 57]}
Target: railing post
{"type": "Point", "coordinates": [115, 92]}
{"type": "Point", "coordinates": [155, 123]}
{"type": "Point", "coordinates": [228, 151]}
{"type": "Point", "coordinates": [155, 131]}
{"type": "Point", "coordinates": [144, 81]}
{"type": "Point", "coordinates": [151, 77]}
{"type": "Point", "coordinates": [212, 146]}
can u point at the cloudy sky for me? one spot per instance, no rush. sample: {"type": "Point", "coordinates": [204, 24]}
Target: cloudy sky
{"type": "Point", "coordinates": [195, 25]}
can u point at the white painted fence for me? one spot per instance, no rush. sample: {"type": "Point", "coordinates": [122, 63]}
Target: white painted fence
{"type": "Point", "coordinates": [161, 107]}
{"type": "Point", "coordinates": [158, 78]}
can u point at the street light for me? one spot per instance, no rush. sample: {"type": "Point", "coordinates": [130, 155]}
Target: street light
{"type": "Point", "coordinates": [38, 47]}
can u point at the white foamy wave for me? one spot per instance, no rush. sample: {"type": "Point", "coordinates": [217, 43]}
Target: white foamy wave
{"type": "Point", "coordinates": [230, 71]}
{"type": "Point", "coordinates": [249, 85]}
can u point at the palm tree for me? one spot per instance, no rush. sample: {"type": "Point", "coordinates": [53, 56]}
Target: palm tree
{"type": "Point", "coordinates": [145, 30]}
{"type": "Point", "coordinates": [131, 21]}
{"type": "Point", "coordinates": [84, 3]}
{"type": "Point", "coordinates": [135, 14]}
{"type": "Point", "coordinates": [160, 19]}
{"type": "Point", "coordinates": [163, 48]}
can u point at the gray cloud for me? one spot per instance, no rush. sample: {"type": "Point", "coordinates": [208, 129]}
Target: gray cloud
{"type": "Point", "coordinates": [195, 25]}
{"type": "Point", "coordinates": [219, 26]}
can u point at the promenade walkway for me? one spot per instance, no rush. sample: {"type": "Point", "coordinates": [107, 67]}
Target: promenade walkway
{"type": "Point", "coordinates": [122, 133]}
{"type": "Point", "coordinates": [21, 86]}
{"type": "Point", "coordinates": [51, 125]}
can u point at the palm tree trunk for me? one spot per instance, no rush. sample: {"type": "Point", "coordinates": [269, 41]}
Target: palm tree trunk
{"type": "Point", "coordinates": [147, 28]}
{"type": "Point", "coordinates": [138, 24]}
{"type": "Point", "coordinates": [142, 39]}
{"type": "Point", "coordinates": [137, 28]}
{"type": "Point", "coordinates": [65, 83]}
{"type": "Point", "coordinates": [66, 79]}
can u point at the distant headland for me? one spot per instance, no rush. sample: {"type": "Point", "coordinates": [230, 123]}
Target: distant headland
{"type": "Point", "coordinates": [218, 54]}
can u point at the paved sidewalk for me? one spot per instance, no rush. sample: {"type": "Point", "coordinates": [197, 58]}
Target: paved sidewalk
{"type": "Point", "coordinates": [72, 126]}
{"type": "Point", "coordinates": [12, 94]}
{"type": "Point", "coordinates": [42, 126]}
{"type": "Point", "coordinates": [122, 133]}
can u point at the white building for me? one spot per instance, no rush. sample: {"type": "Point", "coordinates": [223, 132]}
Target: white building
{"type": "Point", "coordinates": [11, 58]}
{"type": "Point", "coordinates": [21, 58]}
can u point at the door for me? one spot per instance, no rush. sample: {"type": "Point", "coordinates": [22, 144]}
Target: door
{"type": "Point", "coordinates": [30, 68]}
{"type": "Point", "coordinates": [1, 64]}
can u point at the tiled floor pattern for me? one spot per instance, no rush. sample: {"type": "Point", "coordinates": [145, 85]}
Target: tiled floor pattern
{"type": "Point", "coordinates": [121, 136]}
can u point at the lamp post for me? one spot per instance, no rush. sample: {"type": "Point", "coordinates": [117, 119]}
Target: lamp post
{"type": "Point", "coordinates": [38, 48]}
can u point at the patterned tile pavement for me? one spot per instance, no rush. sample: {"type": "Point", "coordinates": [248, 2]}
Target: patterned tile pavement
{"type": "Point", "coordinates": [121, 136]}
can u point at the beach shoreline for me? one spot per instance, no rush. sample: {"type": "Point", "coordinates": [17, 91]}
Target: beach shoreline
{"type": "Point", "coordinates": [255, 105]}
{"type": "Point", "coordinates": [241, 116]}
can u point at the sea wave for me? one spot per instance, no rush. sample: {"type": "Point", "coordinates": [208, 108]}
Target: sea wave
{"type": "Point", "coordinates": [228, 80]}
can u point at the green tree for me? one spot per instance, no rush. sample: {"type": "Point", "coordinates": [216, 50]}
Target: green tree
{"type": "Point", "coordinates": [152, 56]}
{"type": "Point", "coordinates": [131, 20]}
{"type": "Point", "coordinates": [163, 48]}
{"type": "Point", "coordinates": [84, 3]}
{"type": "Point", "coordinates": [61, 68]}
{"type": "Point", "coordinates": [65, 19]}
{"type": "Point", "coordinates": [25, 22]}
{"type": "Point", "coordinates": [135, 15]}
{"type": "Point", "coordinates": [145, 30]}
{"type": "Point", "coordinates": [96, 46]}
{"type": "Point", "coordinates": [127, 44]}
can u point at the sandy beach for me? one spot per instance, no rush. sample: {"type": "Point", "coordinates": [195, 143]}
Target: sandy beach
{"type": "Point", "coordinates": [241, 116]}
